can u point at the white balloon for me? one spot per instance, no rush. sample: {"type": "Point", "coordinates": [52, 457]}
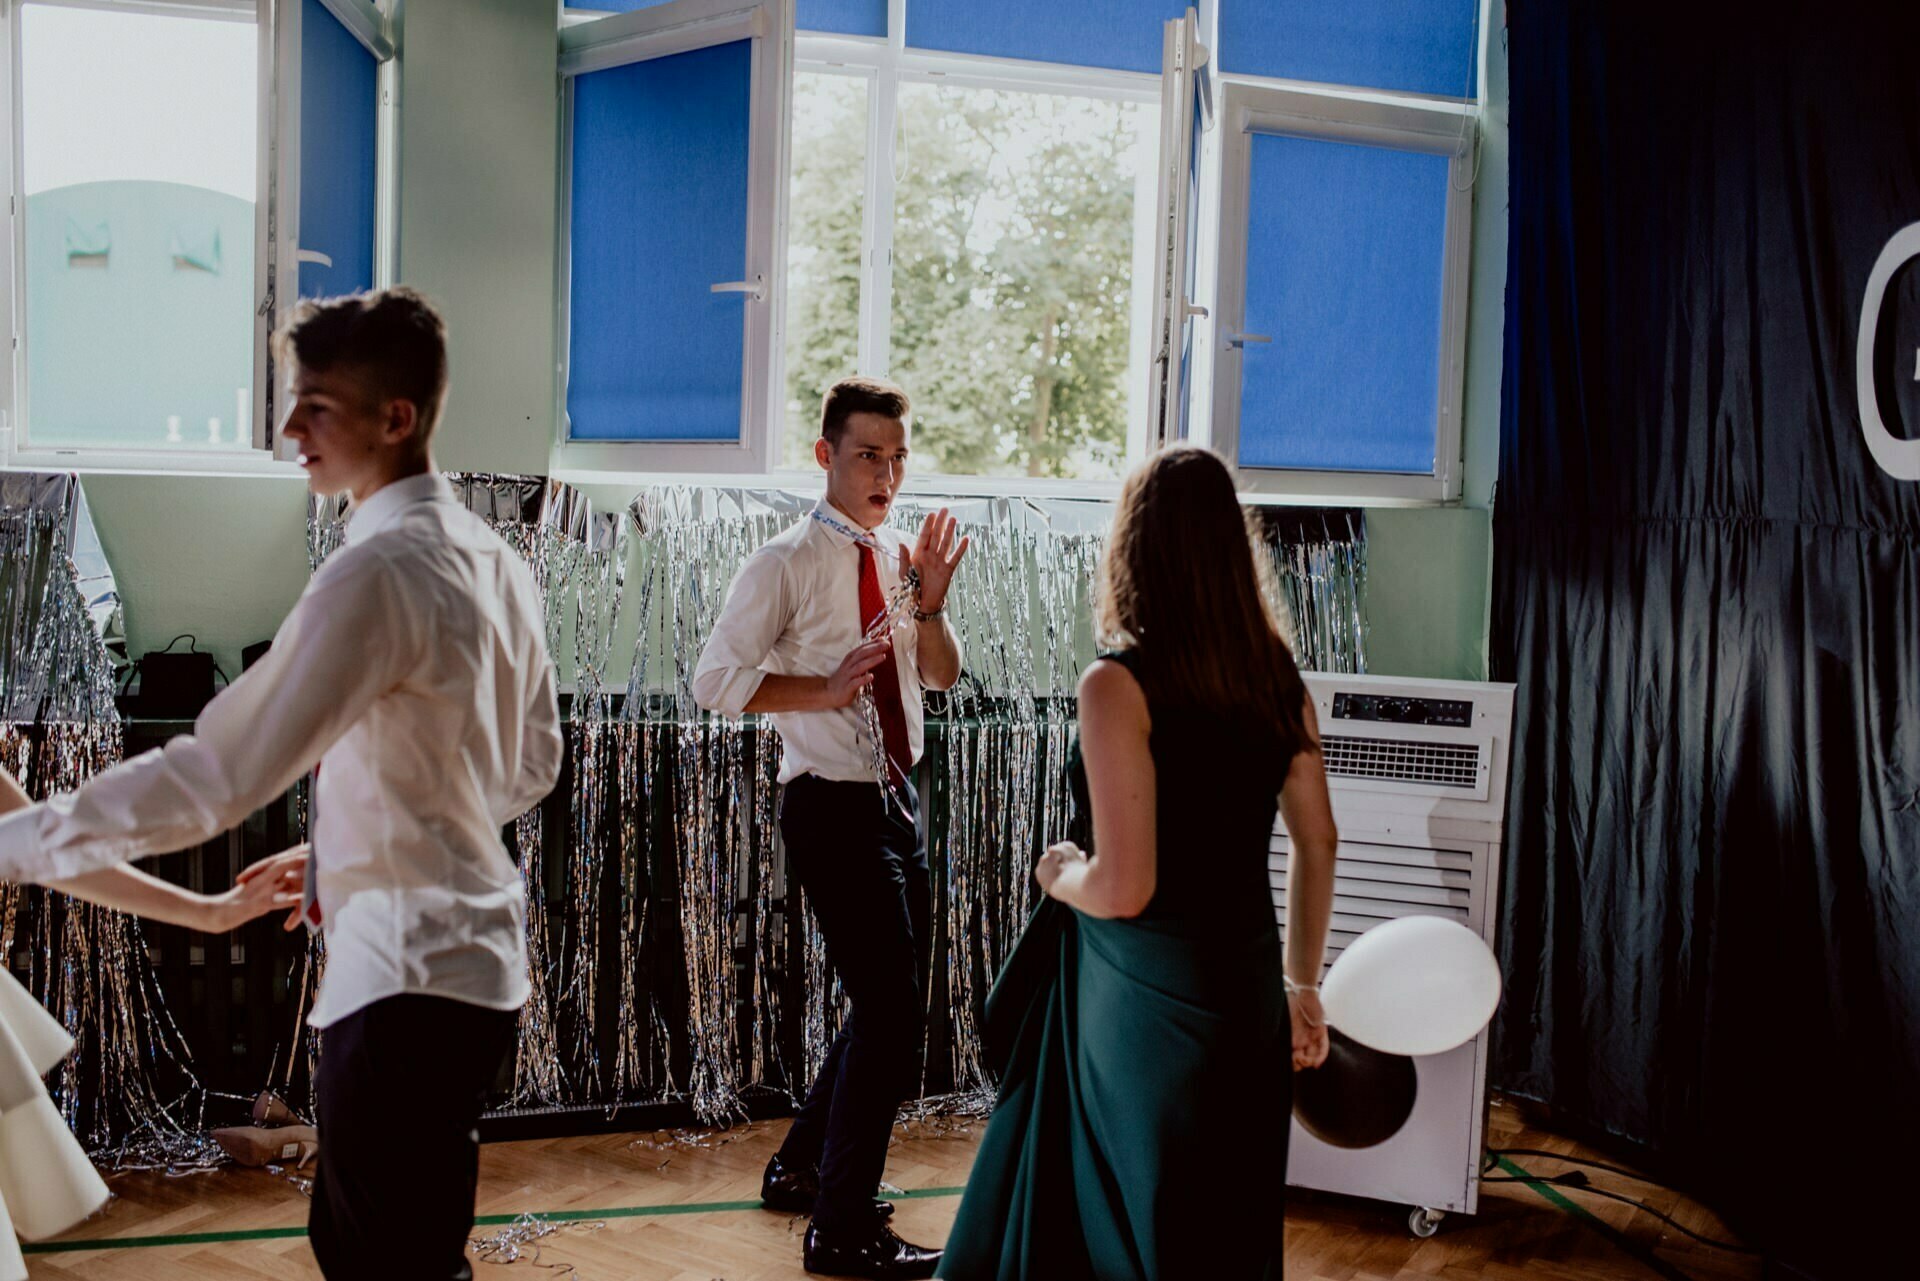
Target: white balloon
{"type": "Point", "coordinates": [1417, 985]}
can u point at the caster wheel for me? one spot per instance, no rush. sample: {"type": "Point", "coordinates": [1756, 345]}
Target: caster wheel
{"type": "Point", "coordinates": [1423, 1222]}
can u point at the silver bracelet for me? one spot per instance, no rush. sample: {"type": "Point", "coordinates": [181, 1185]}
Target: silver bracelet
{"type": "Point", "coordinates": [1295, 989]}
{"type": "Point", "coordinates": [921, 617]}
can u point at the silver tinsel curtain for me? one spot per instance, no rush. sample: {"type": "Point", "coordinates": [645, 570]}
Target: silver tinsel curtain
{"type": "Point", "coordinates": [60, 648]}
{"type": "Point", "coordinates": [669, 962]}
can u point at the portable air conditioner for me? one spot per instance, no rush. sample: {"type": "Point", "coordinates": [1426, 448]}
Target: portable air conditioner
{"type": "Point", "coordinates": [1418, 775]}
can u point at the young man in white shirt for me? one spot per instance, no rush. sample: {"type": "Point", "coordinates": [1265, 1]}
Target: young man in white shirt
{"type": "Point", "coordinates": [789, 644]}
{"type": "Point", "coordinates": [413, 671]}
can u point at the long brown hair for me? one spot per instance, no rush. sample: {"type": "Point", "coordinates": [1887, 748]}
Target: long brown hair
{"type": "Point", "coordinates": [1177, 584]}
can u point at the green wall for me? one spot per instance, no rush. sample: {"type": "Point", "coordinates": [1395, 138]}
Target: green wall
{"type": "Point", "coordinates": [478, 162]}
{"type": "Point", "coordinates": [221, 557]}
{"type": "Point", "coordinates": [224, 557]}
{"type": "Point", "coordinates": [1426, 591]}
{"type": "Point", "coordinates": [1430, 569]}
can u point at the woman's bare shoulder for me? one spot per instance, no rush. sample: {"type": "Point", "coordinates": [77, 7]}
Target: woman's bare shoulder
{"type": "Point", "coordinates": [1111, 683]}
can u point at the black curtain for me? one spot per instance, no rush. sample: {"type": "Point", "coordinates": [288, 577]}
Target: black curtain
{"type": "Point", "coordinates": [1708, 594]}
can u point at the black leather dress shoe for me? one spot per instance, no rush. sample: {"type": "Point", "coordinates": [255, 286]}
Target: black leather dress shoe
{"type": "Point", "coordinates": [794, 1191]}
{"type": "Point", "coordinates": [880, 1255]}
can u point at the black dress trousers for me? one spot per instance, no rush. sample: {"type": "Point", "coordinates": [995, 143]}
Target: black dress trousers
{"type": "Point", "coordinates": [400, 1088]}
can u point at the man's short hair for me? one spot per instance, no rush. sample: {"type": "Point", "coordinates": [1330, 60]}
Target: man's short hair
{"type": "Point", "coordinates": [393, 338]}
{"type": "Point", "coordinates": [860, 395]}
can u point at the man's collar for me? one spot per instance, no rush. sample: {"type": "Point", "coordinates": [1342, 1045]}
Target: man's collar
{"type": "Point", "coordinates": [369, 518]}
{"type": "Point", "coordinates": [843, 530]}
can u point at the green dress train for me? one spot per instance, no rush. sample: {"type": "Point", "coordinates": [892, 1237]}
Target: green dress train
{"type": "Point", "coordinates": [1141, 1127]}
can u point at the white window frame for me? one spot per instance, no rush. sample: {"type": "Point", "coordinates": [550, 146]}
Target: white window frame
{"type": "Point", "coordinates": [1403, 122]}
{"type": "Point", "coordinates": [275, 254]}
{"type": "Point", "coordinates": [1186, 90]}
{"type": "Point", "coordinates": [280, 246]}
{"type": "Point", "coordinates": [590, 43]}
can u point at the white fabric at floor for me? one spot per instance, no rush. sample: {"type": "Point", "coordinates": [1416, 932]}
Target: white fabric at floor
{"type": "Point", "coordinates": [46, 1182]}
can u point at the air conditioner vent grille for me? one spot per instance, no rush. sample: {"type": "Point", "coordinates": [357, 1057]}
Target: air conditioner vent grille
{"type": "Point", "coordinates": [1401, 761]}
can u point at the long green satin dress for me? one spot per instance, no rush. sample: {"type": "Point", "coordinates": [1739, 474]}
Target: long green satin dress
{"type": "Point", "coordinates": [1141, 1127]}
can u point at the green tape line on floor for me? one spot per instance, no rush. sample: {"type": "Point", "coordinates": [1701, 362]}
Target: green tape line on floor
{"type": "Point", "coordinates": [1626, 1243]}
{"type": "Point", "coordinates": [483, 1221]}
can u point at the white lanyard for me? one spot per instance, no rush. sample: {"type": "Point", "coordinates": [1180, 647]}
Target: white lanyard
{"type": "Point", "coordinates": [864, 537]}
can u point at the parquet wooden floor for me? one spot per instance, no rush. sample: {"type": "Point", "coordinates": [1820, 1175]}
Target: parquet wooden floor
{"type": "Point", "coordinates": [674, 1210]}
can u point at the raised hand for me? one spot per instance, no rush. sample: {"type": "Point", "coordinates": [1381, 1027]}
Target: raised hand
{"type": "Point", "coordinates": [936, 554]}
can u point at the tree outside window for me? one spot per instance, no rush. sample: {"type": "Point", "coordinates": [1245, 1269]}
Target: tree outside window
{"type": "Point", "coordinates": [1012, 280]}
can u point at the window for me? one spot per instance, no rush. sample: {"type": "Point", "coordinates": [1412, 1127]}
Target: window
{"type": "Point", "coordinates": [826, 238]}
{"type": "Point", "coordinates": [1343, 232]}
{"type": "Point", "coordinates": [1061, 255]}
{"type": "Point", "coordinates": [135, 245]}
{"type": "Point", "coordinates": [669, 290]}
{"type": "Point", "coordinates": [1342, 294]}
{"type": "Point", "coordinates": [1014, 283]}
{"type": "Point", "coordinates": [142, 276]}
{"type": "Point", "coordinates": [1009, 304]}
{"type": "Point", "coordinates": [981, 234]}
{"type": "Point", "coordinates": [340, 65]}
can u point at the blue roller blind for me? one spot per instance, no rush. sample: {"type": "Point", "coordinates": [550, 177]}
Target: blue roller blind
{"type": "Point", "coordinates": [843, 17]}
{"type": "Point", "coordinates": [614, 6]}
{"type": "Point", "coordinates": [1345, 260]}
{"type": "Point", "coordinates": [339, 104]}
{"type": "Point", "coordinates": [1124, 35]}
{"type": "Point", "coordinates": [1424, 46]}
{"type": "Point", "coordinates": [659, 214]}
{"type": "Point", "coordinates": [837, 17]}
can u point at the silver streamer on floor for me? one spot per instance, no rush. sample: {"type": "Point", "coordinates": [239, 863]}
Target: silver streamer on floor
{"type": "Point", "coordinates": [519, 1241]}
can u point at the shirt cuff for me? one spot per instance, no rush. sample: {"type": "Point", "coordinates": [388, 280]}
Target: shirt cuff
{"type": "Point", "coordinates": [728, 690]}
{"type": "Point", "coordinates": [22, 855]}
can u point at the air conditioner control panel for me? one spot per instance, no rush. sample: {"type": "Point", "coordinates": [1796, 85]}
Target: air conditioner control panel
{"type": "Point", "coordinates": [1397, 709]}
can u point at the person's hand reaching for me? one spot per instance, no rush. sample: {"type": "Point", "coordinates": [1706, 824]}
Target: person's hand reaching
{"type": "Point", "coordinates": [275, 882]}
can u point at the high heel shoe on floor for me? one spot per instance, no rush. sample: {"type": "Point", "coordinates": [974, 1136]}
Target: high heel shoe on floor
{"type": "Point", "coordinates": [270, 1110]}
{"type": "Point", "coordinates": [257, 1145]}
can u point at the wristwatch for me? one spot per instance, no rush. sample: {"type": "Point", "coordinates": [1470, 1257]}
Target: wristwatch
{"type": "Point", "coordinates": [923, 616]}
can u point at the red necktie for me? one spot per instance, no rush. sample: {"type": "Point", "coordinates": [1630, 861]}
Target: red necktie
{"type": "Point", "coordinates": [886, 677]}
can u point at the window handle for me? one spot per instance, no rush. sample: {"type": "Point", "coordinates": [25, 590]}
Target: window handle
{"type": "Point", "coordinates": [1241, 340]}
{"type": "Point", "coordinates": [312, 255]}
{"type": "Point", "coordinates": [1195, 309]}
{"type": "Point", "coordinates": [752, 288]}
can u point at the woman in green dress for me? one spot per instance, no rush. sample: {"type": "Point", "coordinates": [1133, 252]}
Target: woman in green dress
{"type": "Point", "coordinates": [1151, 1031]}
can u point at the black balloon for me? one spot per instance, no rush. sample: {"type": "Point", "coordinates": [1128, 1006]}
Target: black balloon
{"type": "Point", "coordinates": [1359, 1097]}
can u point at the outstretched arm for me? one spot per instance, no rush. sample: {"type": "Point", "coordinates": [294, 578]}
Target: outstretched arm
{"type": "Point", "coordinates": [270, 884]}
{"type": "Point", "coordinates": [348, 640]}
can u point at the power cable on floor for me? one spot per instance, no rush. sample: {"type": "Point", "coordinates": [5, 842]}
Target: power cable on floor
{"type": "Point", "coordinates": [1578, 1181]}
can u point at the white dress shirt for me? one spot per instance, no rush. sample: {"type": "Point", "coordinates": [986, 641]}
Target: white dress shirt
{"type": "Point", "coordinates": [414, 670]}
{"type": "Point", "coordinates": [794, 610]}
